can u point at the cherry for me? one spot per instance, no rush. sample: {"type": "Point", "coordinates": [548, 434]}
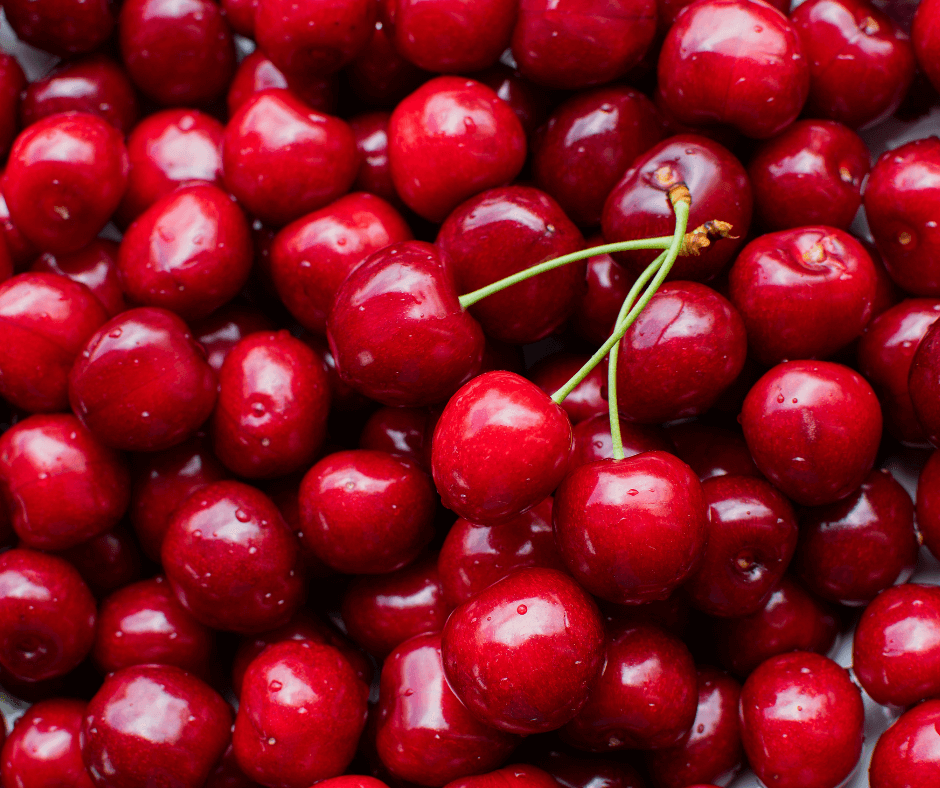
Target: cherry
{"type": "Point", "coordinates": [712, 451]}
{"type": "Point", "coordinates": [379, 76]}
{"type": "Point", "coordinates": [530, 102]}
{"type": "Point", "coordinates": [405, 432]}
{"type": "Point", "coordinates": [312, 256]}
{"type": "Point", "coordinates": [61, 27]}
{"type": "Point", "coordinates": [925, 36]}
{"type": "Point", "coordinates": [108, 561]}
{"type": "Point", "coordinates": [45, 321]}
{"type": "Point", "coordinates": [47, 616]}
{"type": "Point", "coordinates": [711, 750]}
{"type": "Point", "coordinates": [500, 447]}
{"type": "Point", "coordinates": [813, 428]}
{"type": "Point", "coordinates": [850, 42]}
{"type": "Point", "coordinates": [424, 733]}
{"type": "Point", "coordinates": [344, 398]}
{"type": "Point", "coordinates": [142, 382]}
{"type": "Point", "coordinates": [810, 173]}
{"type": "Point", "coordinates": [501, 232]}
{"type": "Point", "coordinates": [231, 559]}
{"type": "Point", "coordinates": [885, 352]}
{"type": "Point", "coordinates": [60, 485]}
{"type": "Point", "coordinates": [631, 530]}
{"type": "Point", "coordinates": [924, 383]}
{"type": "Point", "coordinates": [592, 440]}
{"type": "Point", "coordinates": [226, 774]}
{"type": "Point", "coordinates": [397, 331]}
{"type": "Point", "coordinates": [596, 309]}
{"type": "Point", "coordinates": [12, 84]}
{"type": "Point", "coordinates": [283, 159]}
{"type": "Point", "coordinates": [638, 207]}
{"type": "Point", "coordinates": [352, 781]}
{"type": "Point", "coordinates": [375, 177]}
{"type": "Point", "coordinates": [150, 720]}
{"type": "Point", "coordinates": [64, 178]}
{"type": "Point", "coordinates": [518, 776]}
{"type": "Point", "coordinates": [899, 195]}
{"type": "Point", "coordinates": [570, 771]}
{"type": "Point", "coordinates": [94, 266]}
{"type": "Point", "coordinates": [21, 250]}
{"type": "Point", "coordinates": [735, 62]}
{"type": "Point", "coordinates": [43, 748]}
{"type": "Point", "coordinates": [908, 753]}
{"type": "Point", "coordinates": [801, 721]}
{"type": "Point", "coordinates": [256, 73]}
{"type": "Point", "coordinates": [928, 504]}
{"type": "Point", "coordinates": [302, 710]}
{"type": "Point", "coordinates": [449, 140]}
{"type": "Point", "coordinates": [240, 15]}
{"type": "Point", "coordinates": [226, 327]}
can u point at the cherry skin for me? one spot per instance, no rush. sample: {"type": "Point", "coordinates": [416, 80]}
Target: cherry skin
{"type": "Point", "coordinates": [43, 748]}
{"type": "Point", "coordinates": [397, 331]}
{"type": "Point", "coordinates": [885, 352]}
{"type": "Point", "coordinates": [908, 753]}
{"type": "Point", "coordinates": [256, 73]}
{"type": "Point", "coordinates": [639, 208]}
{"type": "Point", "coordinates": [810, 173]}
{"type": "Point", "coordinates": [47, 616]}
{"type": "Point", "coordinates": [189, 252]}
{"type": "Point", "coordinates": [21, 249]}
{"type": "Point", "coordinates": [283, 159]}
{"type": "Point", "coordinates": [645, 697]}
{"type": "Point", "coordinates": [596, 309]}
{"type": "Point", "coordinates": [518, 776]}
{"type": "Point", "coordinates": [803, 293]}
{"type": "Point", "coordinates": [375, 177]}
{"type": "Point", "coordinates": [366, 512]}
{"type": "Point", "coordinates": [225, 328]}
{"type": "Point", "coordinates": [94, 266]}
{"type": "Point", "coordinates": [501, 232]}
{"type": "Point", "coordinates": [631, 531]}
{"type": "Point", "coordinates": [528, 101]}
{"type": "Point", "coordinates": [108, 561]}
{"type": "Point", "coordinates": [382, 611]}
{"type": "Point", "coordinates": [449, 140]}
{"type": "Point", "coordinates": [312, 256]}
{"type": "Point", "coordinates": [231, 559]}
{"type": "Point", "coordinates": [899, 198]}
{"type": "Point", "coordinates": [226, 774]}
{"type": "Point", "coordinates": [500, 447]}
{"type": "Point", "coordinates": [424, 733]}
{"type": "Point", "coordinates": [61, 27]}
{"type": "Point", "coordinates": [592, 440]}
{"type": "Point", "coordinates": [302, 710]}
{"type": "Point", "coordinates": [924, 383]}
{"type": "Point", "coordinates": [150, 720]}
{"type": "Point", "coordinates": [925, 36]}
{"type": "Point", "coordinates": [63, 180]}
{"type": "Point", "coordinates": [523, 654]}
{"type": "Point", "coordinates": [570, 771]}
{"type": "Point", "coordinates": [344, 398]}
{"type": "Point", "coordinates": [813, 428]}
{"type": "Point", "coordinates": [352, 781]}
{"type": "Point", "coordinates": [928, 503]}
{"type": "Point", "coordinates": [12, 84]}
{"type": "Point", "coordinates": [711, 451]}
{"type": "Point", "coordinates": [45, 321]}
{"type": "Point", "coordinates": [59, 484]}
{"type": "Point", "coordinates": [405, 432]}
{"type": "Point", "coordinates": [814, 746]}
{"type": "Point", "coordinates": [380, 77]}
{"type": "Point", "coordinates": [142, 383]}
{"type": "Point", "coordinates": [849, 42]}
{"type": "Point", "coordinates": [168, 149]}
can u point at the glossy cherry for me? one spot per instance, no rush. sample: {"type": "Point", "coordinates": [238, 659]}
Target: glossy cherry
{"type": "Point", "coordinates": [529, 101]}
{"type": "Point", "coordinates": [711, 450]}
{"type": "Point", "coordinates": [371, 132]}
{"type": "Point", "coordinates": [925, 36]}
{"type": "Point", "coordinates": [379, 76]}
{"type": "Point", "coordinates": [572, 771]}
{"type": "Point", "coordinates": [596, 309]}
{"type": "Point", "coordinates": [226, 327]}
{"type": "Point", "coordinates": [928, 503]}
{"type": "Point", "coordinates": [256, 73]}
{"type": "Point", "coordinates": [94, 266]}
{"type": "Point", "coordinates": [21, 249]}
{"type": "Point", "coordinates": [12, 83]}
{"type": "Point", "coordinates": [924, 383]}
{"type": "Point", "coordinates": [108, 561]}
{"type": "Point", "coordinates": [402, 431]}
{"type": "Point", "coordinates": [62, 27]}
{"type": "Point", "coordinates": [908, 753]}
{"type": "Point", "coordinates": [516, 776]}
{"type": "Point", "coordinates": [592, 440]}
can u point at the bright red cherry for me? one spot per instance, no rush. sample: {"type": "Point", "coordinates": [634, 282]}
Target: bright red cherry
{"type": "Point", "coordinates": [596, 309]}
{"type": "Point", "coordinates": [592, 440]}
{"type": "Point", "coordinates": [62, 27]}
{"type": "Point", "coordinates": [925, 35]}
{"type": "Point", "coordinates": [256, 73]}
{"type": "Point", "coordinates": [571, 771]}
{"type": "Point", "coordinates": [449, 140]}
{"type": "Point", "coordinates": [375, 176]}
{"type": "Point", "coordinates": [908, 753]}
{"type": "Point", "coordinates": [12, 84]}
{"type": "Point", "coordinates": [226, 327]}
{"type": "Point", "coordinates": [518, 776]}
{"type": "Point", "coordinates": [94, 266]}
{"type": "Point", "coordinates": [528, 101]}
{"type": "Point", "coordinates": [928, 503]}
{"type": "Point", "coordinates": [924, 383]}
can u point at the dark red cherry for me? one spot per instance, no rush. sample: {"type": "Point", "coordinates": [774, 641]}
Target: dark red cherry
{"type": "Point", "coordinates": [405, 432]}
{"type": "Point", "coordinates": [711, 451]}
{"type": "Point", "coordinates": [449, 140]}
{"type": "Point", "coordinates": [885, 352]}
{"type": "Point", "coordinates": [94, 266]}
{"type": "Point", "coordinates": [22, 250]}
{"type": "Point", "coordinates": [801, 722]}
{"type": "Point", "coordinates": [366, 512]}
{"type": "Point", "coordinates": [60, 485]}
{"type": "Point", "coordinates": [150, 720]}
{"type": "Point", "coordinates": [62, 27]}
{"type": "Point", "coordinates": [908, 753]}
{"type": "Point", "coordinates": [639, 208]}
{"type": "Point", "coordinates": [63, 180]}
{"type": "Point", "coordinates": [645, 697]}
{"type": "Point", "coordinates": [12, 84]}
{"type": "Point", "coordinates": [571, 771]}
{"type": "Point", "coordinates": [108, 561]}
{"type": "Point", "coordinates": [226, 327]}
{"type": "Point", "coordinates": [500, 447]}
{"type": "Point", "coordinates": [896, 647]}
{"type": "Point", "coordinates": [813, 428]}
{"type": "Point", "coordinates": [592, 440]}
{"type": "Point", "coordinates": [810, 173]}
{"type": "Point", "coordinates": [177, 53]}
{"type": "Point", "coordinates": [231, 559]}
{"type": "Point", "coordinates": [524, 653]}
{"type": "Point", "coordinates": [240, 15]}
{"type": "Point", "coordinates": [226, 773]}
{"type": "Point", "coordinates": [283, 159]}
{"type": "Point", "coordinates": [631, 530]}
{"type": "Point", "coordinates": [352, 781]}
{"type": "Point", "coordinates": [850, 42]}
{"type": "Point", "coordinates": [47, 616]}
{"type": "Point", "coordinates": [142, 383]}
{"type": "Point", "coordinates": [928, 504]}
{"type": "Point", "coordinates": [924, 383]}
{"type": "Point", "coordinates": [397, 330]}
{"type": "Point", "coordinates": [312, 256]}
{"type": "Point", "coordinates": [517, 776]}
{"type": "Point", "coordinates": [302, 710]}
{"type": "Point", "coordinates": [166, 150]}
{"type": "Point", "coordinates": [925, 35]}
{"type": "Point", "coordinates": [382, 611]}
{"type": "Point", "coordinates": [45, 321]}
{"type": "Point", "coordinates": [256, 73]}
{"type": "Point", "coordinates": [596, 309]}
{"type": "Point", "coordinates": [501, 232]}
{"type": "Point", "coordinates": [375, 177]}
{"type": "Point", "coordinates": [424, 733]}
{"type": "Point", "coordinates": [899, 198]}
{"type": "Point", "coordinates": [344, 398]}
{"type": "Point", "coordinates": [43, 748]}
{"type": "Point", "coordinates": [530, 102]}
{"type": "Point", "coordinates": [736, 62]}
{"type": "Point", "coordinates": [379, 76]}
{"type": "Point", "coordinates": [851, 550]}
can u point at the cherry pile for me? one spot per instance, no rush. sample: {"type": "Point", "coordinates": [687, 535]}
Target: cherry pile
{"type": "Point", "coordinates": [468, 393]}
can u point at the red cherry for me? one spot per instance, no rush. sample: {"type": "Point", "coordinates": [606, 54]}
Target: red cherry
{"type": "Point", "coordinates": [449, 140]}
{"type": "Point", "coordinates": [108, 561]}
{"type": "Point", "coordinates": [592, 440]}
{"type": "Point", "coordinates": [21, 250]}
{"type": "Point", "coordinates": [226, 774]}
{"type": "Point", "coordinates": [530, 103]}
{"type": "Point", "coordinates": [256, 73]}
{"type": "Point", "coordinates": [379, 76]}
{"type": "Point", "coordinates": [12, 84]}
{"type": "Point", "coordinates": [225, 328]}
{"type": "Point", "coordinates": [500, 447]}
{"type": "Point", "coordinates": [302, 710]}
{"type": "Point", "coordinates": [405, 432]}
{"type": "Point", "coordinates": [908, 753]}
{"type": "Point", "coordinates": [518, 776]}
{"type": "Point", "coordinates": [524, 653]}
{"type": "Point", "coordinates": [801, 722]}
{"type": "Point", "coordinates": [596, 309]}
{"type": "Point", "coordinates": [573, 772]}
{"type": "Point", "coordinates": [142, 382]}
{"type": "Point", "coordinates": [813, 428]}
{"type": "Point", "coordinates": [61, 27]}
{"type": "Point", "coordinates": [64, 178]}
{"type": "Point", "coordinates": [352, 781]}
{"type": "Point", "coordinates": [928, 503]}
{"type": "Point", "coordinates": [344, 398]}
{"type": "Point", "coordinates": [240, 15]}
{"type": "Point", "coordinates": [712, 451]}
{"type": "Point", "coordinates": [925, 35]}
{"type": "Point", "coordinates": [94, 266]}
{"type": "Point", "coordinates": [924, 383]}
{"type": "Point", "coordinates": [375, 177]}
